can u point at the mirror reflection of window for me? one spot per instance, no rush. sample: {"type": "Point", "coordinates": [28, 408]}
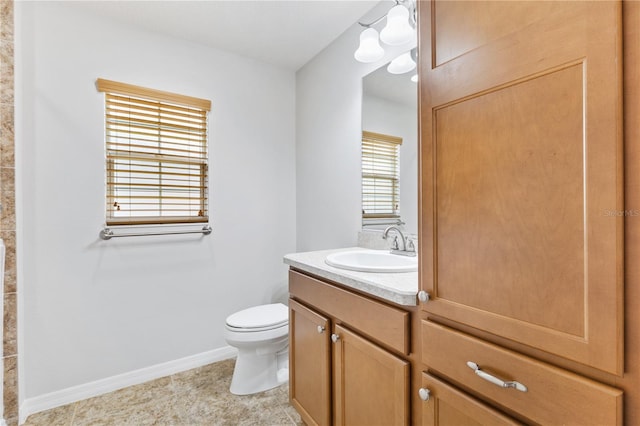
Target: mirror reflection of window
{"type": "Point", "coordinates": [389, 107]}
{"type": "Point", "coordinates": [380, 179]}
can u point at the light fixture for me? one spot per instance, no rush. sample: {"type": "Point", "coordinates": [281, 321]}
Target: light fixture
{"type": "Point", "coordinates": [398, 30]}
{"type": "Point", "coordinates": [369, 49]}
{"type": "Point", "coordinates": [402, 64]}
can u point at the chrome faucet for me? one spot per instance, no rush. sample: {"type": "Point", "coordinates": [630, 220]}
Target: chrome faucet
{"type": "Point", "coordinates": [408, 248]}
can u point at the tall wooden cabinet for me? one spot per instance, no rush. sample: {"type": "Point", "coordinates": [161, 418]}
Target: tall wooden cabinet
{"type": "Point", "coordinates": [522, 212]}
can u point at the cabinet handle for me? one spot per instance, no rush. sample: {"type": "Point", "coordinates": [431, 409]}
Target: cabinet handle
{"type": "Point", "coordinates": [320, 329]}
{"type": "Point", "coordinates": [493, 379]}
{"type": "Point", "coordinates": [423, 296]}
{"type": "Point", "coordinates": [335, 338]}
{"type": "Point", "coordinates": [425, 394]}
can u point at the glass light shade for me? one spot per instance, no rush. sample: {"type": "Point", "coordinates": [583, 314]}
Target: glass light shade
{"type": "Point", "coordinates": [369, 49]}
{"type": "Point", "coordinates": [398, 30]}
{"type": "Point", "coordinates": [402, 64]}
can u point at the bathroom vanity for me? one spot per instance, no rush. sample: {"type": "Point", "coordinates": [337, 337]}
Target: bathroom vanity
{"type": "Point", "coordinates": [362, 351]}
{"type": "Point", "coordinates": [350, 343]}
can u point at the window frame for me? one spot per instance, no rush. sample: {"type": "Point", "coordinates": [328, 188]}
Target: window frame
{"type": "Point", "coordinates": [179, 166]}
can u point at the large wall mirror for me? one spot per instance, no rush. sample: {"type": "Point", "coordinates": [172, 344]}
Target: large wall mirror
{"type": "Point", "coordinates": [389, 107]}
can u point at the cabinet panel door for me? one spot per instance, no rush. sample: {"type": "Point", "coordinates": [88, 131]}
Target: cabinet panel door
{"type": "Point", "coordinates": [521, 172]}
{"type": "Point", "coordinates": [310, 363]}
{"type": "Point", "coordinates": [370, 385]}
{"type": "Point", "coordinates": [448, 406]}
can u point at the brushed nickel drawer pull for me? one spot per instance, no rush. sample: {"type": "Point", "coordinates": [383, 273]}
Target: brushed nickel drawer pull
{"type": "Point", "coordinates": [493, 379]}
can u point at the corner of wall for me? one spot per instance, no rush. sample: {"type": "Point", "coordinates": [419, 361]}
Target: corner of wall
{"type": "Point", "coordinates": [7, 212]}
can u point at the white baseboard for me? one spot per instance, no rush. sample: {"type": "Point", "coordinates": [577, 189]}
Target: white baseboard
{"type": "Point", "coordinates": [110, 384]}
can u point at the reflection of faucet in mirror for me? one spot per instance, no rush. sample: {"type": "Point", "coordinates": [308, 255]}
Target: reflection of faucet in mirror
{"type": "Point", "coordinates": [408, 248]}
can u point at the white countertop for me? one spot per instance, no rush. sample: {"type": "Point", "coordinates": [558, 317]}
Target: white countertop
{"type": "Point", "coordinates": [400, 288]}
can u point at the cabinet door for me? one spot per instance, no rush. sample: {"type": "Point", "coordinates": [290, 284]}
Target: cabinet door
{"type": "Point", "coordinates": [521, 172]}
{"type": "Point", "coordinates": [370, 385]}
{"type": "Point", "coordinates": [447, 406]}
{"type": "Point", "coordinates": [310, 364]}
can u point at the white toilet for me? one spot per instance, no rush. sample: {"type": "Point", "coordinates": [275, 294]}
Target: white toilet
{"type": "Point", "coordinates": [261, 335]}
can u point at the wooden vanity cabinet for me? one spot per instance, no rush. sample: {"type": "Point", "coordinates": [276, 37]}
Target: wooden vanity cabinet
{"type": "Point", "coordinates": [521, 205]}
{"type": "Point", "coordinates": [340, 374]}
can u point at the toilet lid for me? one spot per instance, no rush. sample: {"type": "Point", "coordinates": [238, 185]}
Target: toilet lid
{"type": "Point", "coordinates": [273, 315]}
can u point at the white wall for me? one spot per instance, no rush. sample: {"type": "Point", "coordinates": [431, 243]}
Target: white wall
{"type": "Point", "coordinates": [328, 139]}
{"type": "Point", "coordinates": [392, 118]}
{"type": "Point", "coordinates": [94, 309]}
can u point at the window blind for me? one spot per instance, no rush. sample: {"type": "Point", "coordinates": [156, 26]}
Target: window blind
{"type": "Point", "coordinates": [380, 175]}
{"type": "Point", "coordinates": [156, 156]}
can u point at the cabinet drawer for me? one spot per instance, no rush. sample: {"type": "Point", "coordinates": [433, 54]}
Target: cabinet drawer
{"type": "Point", "coordinates": [552, 396]}
{"type": "Point", "coordinates": [386, 324]}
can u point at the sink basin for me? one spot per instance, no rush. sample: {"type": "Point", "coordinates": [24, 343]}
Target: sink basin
{"type": "Point", "coordinates": [372, 261]}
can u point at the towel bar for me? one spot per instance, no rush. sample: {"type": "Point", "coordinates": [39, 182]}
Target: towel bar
{"type": "Point", "coordinates": [107, 233]}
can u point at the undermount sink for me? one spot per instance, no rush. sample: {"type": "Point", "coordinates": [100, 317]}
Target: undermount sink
{"type": "Point", "coordinates": [364, 260]}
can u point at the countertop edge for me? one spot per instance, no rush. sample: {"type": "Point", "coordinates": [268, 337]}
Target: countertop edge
{"type": "Point", "coordinates": [366, 282]}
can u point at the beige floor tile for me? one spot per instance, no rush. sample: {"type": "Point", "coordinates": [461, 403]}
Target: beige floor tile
{"type": "Point", "coordinates": [198, 397]}
{"type": "Point", "coordinates": [111, 404]}
{"type": "Point", "coordinates": [293, 415]}
{"type": "Point", "coordinates": [60, 416]}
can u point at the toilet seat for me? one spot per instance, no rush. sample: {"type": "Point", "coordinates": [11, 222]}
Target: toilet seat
{"type": "Point", "coordinates": [259, 318]}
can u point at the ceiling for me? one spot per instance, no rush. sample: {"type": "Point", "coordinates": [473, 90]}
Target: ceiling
{"type": "Point", "coordinates": [285, 33]}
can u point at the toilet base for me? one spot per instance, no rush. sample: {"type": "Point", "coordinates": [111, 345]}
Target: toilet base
{"type": "Point", "coordinates": [255, 373]}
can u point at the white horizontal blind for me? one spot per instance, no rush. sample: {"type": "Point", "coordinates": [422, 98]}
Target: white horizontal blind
{"type": "Point", "coordinates": [157, 171]}
{"type": "Point", "coordinates": [380, 175]}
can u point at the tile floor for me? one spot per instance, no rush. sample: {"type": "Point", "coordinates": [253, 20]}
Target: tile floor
{"type": "Point", "coordinates": [196, 397]}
